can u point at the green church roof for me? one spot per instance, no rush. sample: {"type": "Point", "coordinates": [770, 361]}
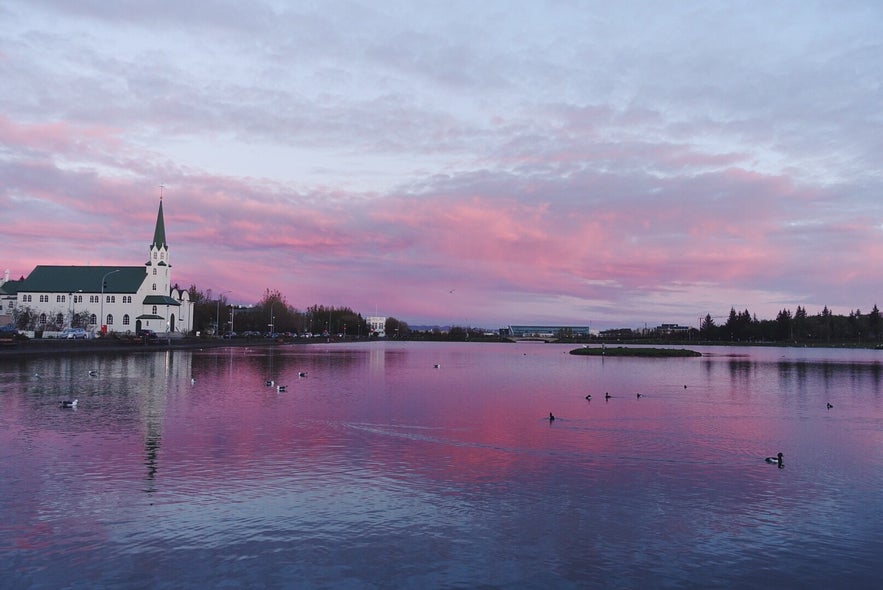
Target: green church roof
{"type": "Point", "coordinates": [88, 279]}
{"type": "Point", "coordinates": [160, 300]}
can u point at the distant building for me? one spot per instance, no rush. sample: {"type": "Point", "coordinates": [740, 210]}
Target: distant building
{"type": "Point", "coordinates": [376, 325]}
{"type": "Point", "coordinates": [105, 298]}
{"type": "Point", "coordinates": [514, 331]}
{"type": "Point", "coordinates": [671, 329]}
{"type": "Point", "coordinates": [617, 333]}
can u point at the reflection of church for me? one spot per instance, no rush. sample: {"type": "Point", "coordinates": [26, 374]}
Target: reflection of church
{"type": "Point", "coordinates": [123, 298]}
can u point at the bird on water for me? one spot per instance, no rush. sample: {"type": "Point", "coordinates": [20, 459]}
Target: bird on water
{"type": "Point", "coordinates": [68, 404]}
{"type": "Point", "coordinates": [551, 417]}
{"type": "Point", "coordinates": [830, 405]}
{"type": "Point", "coordinates": [777, 460]}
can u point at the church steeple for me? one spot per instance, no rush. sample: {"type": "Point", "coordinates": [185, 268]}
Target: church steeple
{"type": "Point", "coordinates": [159, 234]}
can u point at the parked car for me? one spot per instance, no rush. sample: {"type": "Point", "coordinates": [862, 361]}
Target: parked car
{"type": "Point", "coordinates": [73, 333]}
{"type": "Point", "coordinates": [149, 334]}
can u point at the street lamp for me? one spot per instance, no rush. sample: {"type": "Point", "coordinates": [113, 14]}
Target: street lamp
{"type": "Point", "coordinates": [73, 308]}
{"type": "Point", "coordinates": [101, 308]}
{"type": "Point", "coordinates": [218, 314]}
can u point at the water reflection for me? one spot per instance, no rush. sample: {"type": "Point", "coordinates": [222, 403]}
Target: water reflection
{"type": "Point", "coordinates": [185, 469]}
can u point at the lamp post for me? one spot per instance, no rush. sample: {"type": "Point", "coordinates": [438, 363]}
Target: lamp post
{"type": "Point", "coordinates": [218, 314]}
{"type": "Point", "coordinates": [73, 296]}
{"type": "Point", "coordinates": [101, 312]}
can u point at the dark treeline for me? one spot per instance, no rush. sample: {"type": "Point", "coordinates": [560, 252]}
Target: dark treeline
{"type": "Point", "coordinates": [823, 327]}
{"type": "Point", "coordinates": [273, 314]}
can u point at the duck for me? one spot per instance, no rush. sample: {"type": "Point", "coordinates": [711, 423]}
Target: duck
{"type": "Point", "coordinates": [269, 383]}
{"type": "Point", "coordinates": [777, 460]}
{"type": "Point", "coordinates": [302, 374]}
{"type": "Point", "coordinates": [68, 404]}
{"type": "Point", "coordinates": [193, 381]}
{"type": "Point", "coordinates": [437, 365]}
{"type": "Point", "coordinates": [607, 395]}
{"type": "Point", "coordinates": [551, 417]}
{"type": "Point", "coordinates": [639, 395]}
{"type": "Point", "coordinates": [589, 397]}
{"type": "Point", "coordinates": [830, 405]}
{"type": "Point", "coordinates": [93, 373]}
{"type": "Point", "coordinates": [281, 388]}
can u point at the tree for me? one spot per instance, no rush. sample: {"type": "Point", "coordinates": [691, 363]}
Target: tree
{"type": "Point", "coordinates": [783, 325]}
{"type": "Point", "coordinates": [396, 328]}
{"type": "Point", "coordinates": [874, 322]}
{"type": "Point", "coordinates": [707, 327]}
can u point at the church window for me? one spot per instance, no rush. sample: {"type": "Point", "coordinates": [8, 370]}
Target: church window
{"type": "Point", "coordinates": [162, 255]}
{"type": "Point", "coordinates": [154, 310]}
{"type": "Point", "coordinates": [154, 286]}
{"type": "Point", "coordinates": [93, 319]}
{"type": "Point", "coordinates": [109, 321]}
{"type": "Point", "coordinates": [107, 298]}
{"type": "Point", "coordinates": [42, 319]}
{"type": "Point", "coordinates": [59, 319]}
{"type": "Point", "coordinates": [126, 320]}
{"type": "Point", "coordinates": [154, 271]}
{"type": "Point", "coordinates": [59, 299]}
{"type": "Point", "coordinates": [154, 255]}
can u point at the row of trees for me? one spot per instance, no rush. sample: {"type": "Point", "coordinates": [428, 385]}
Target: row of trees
{"type": "Point", "coordinates": [273, 313]}
{"type": "Point", "coordinates": [796, 327]}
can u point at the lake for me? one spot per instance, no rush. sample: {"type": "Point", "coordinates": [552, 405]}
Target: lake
{"type": "Point", "coordinates": [378, 469]}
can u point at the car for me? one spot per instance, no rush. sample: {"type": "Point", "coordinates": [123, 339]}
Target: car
{"type": "Point", "coordinates": [73, 333]}
{"type": "Point", "coordinates": [150, 335]}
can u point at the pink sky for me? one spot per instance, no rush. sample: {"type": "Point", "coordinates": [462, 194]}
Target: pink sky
{"type": "Point", "coordinates": [549, 162]}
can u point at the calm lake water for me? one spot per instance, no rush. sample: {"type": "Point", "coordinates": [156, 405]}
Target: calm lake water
{"type": "Point", "coordinates": [378, 470]}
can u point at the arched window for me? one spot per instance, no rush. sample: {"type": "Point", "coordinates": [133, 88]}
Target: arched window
{"type": "Point", "coordinates": [126, 320]}
{"type": "Point", "coordinates": [154, 286]}
{"type": "Point", "coordinates": [93, 319]}
{"type": "Point", "coordinates": [42, 319]}
{"type": "Point", "coordinates": [59, 319]}
{"type": "Point", "coordinates": [154, 271]}
{"type": "Point", "coordinates": [154, 255]}
{"type": "Point", "coordinates": [154, 310]}
{"type": "Point", "coordinates": [109, 321]}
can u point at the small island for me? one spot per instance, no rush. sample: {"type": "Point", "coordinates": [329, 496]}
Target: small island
{"type": "Point", "coordinates": [635, 351]}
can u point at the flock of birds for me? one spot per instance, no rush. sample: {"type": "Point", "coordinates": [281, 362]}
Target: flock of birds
{"type": "Point", "coordinates": [776, 460]}
{"type": "Point", "coordinates": [72, 404]}
{"type": "Point", "coordinates": [282, 388]}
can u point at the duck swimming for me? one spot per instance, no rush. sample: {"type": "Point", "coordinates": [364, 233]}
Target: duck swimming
{"type": "Point", "coordinates": [551, 417]}
{"type": "Point", "coordinates": [589, 397]}
{"type": "Point", "coordinates": [607, 395]}
{"type": "Point", "coordinates": [68, 404]}
{"type": "Point", "coordinates": [830, 405]}
{"type": "Point", "coordinates": [777, 460]}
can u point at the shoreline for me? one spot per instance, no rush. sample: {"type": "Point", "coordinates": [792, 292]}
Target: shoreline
{"type": "Point", "coordinates": [37, 347]}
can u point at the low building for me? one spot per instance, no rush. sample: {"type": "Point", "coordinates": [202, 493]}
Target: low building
{"type": "Point", "coordinates": [515, 331]}
{"type": "Point", "coordinates": [376, 325]}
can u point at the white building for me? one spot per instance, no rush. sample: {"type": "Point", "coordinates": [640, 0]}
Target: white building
{"type": "Point", "coordinates": [106, 298]}
{"type": "Point", "coordinates": [376, 325]}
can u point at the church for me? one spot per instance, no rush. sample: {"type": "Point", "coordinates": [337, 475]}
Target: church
{"type": "Point", "coordinates": [103, 299]}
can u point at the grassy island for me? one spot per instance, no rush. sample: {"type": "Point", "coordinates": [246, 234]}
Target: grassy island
{"type": "Point", "coordinates": [642, 352]}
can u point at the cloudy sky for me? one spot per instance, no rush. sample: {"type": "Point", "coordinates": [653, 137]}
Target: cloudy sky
{"type": "Point", "coordinates": [495, 162]}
